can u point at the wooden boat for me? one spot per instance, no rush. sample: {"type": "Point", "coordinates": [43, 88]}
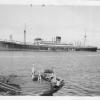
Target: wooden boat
{"type": "Point", "coordinates": [53, 89]}
{"type": "Point", "coordinates": [49, 75]}
{"type": "Point", "coordinates": [56, 85]}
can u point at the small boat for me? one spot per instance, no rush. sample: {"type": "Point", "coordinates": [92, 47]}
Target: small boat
{"type": "Point", "coordinates": [49, 75]}
{"type": "Point", "coordinates": [36, 76]}
{"type": "Point", "coordinates": [56, 83]}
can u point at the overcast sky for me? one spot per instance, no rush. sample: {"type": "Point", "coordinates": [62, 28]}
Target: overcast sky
{"type": "Point", "coordinates": [70, 22]}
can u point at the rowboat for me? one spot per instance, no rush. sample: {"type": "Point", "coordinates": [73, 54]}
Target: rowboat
{"type": "Point", "coordinates": [55, 82]}
{"type": "Point", "coordinates": [48, 75]}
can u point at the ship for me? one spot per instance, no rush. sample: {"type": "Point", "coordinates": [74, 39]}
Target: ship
{"type": "Point", "coordinates": [41, 45]}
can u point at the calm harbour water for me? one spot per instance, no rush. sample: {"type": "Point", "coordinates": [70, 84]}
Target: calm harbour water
{"type": "Point", "coordinates": [80, 70]}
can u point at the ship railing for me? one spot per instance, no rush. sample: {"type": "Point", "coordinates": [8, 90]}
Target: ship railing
{"type": "Point", "coordinates": [23, 43]}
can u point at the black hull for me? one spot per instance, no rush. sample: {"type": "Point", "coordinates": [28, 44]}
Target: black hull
{"type": "Point", "coordinates": [13, 46]}
{"type": "Point", "coordinates": [93, 49]}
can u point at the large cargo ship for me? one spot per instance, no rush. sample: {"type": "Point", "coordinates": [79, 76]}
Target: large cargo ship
{"type": "Point", "coordinates": [41, 45]}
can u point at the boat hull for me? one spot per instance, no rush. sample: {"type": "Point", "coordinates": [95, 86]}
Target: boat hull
{"type": "Point", "coordinates": [13, 46]}
{"type": "Point", "coordinates": [93, 49]}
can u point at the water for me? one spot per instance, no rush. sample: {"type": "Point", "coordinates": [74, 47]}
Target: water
{"type": "Point", "coordinates": [80, 70]}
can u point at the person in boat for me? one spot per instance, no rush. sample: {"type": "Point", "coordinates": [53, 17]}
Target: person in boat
{"type": "Point", "coordinates": [36, 76]}
{"type": "Point", "coordinates": [55, 81]}
{"type": "Point", "coordinates": [39, 77]}
{"type": "Point", "coordinates": [33, 72]}
{"type": "Point", "coordinates": [49, 73]}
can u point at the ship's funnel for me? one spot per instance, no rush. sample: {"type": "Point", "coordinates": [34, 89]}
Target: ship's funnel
{"type": "Point", "coordinates": [58, 39]}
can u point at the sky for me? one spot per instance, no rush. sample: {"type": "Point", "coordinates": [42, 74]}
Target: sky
{"type": "Point", "coordinates": [70, 22]}
{"type": "Point", "coordinates": [53, 2]}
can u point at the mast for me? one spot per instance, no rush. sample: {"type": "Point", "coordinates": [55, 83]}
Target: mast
{"type": "Point", "coordinates": [85, 36]}
{"type": "Point", "coordinates": [10, 37]}
{"type": "Point", "coordinates": [52, 40]}
{"type": "Point", "coordinates": [25, 35]}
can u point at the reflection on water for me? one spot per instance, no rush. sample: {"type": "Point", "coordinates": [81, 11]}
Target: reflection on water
{"type": "Point", "coordinates": [80, 70]}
